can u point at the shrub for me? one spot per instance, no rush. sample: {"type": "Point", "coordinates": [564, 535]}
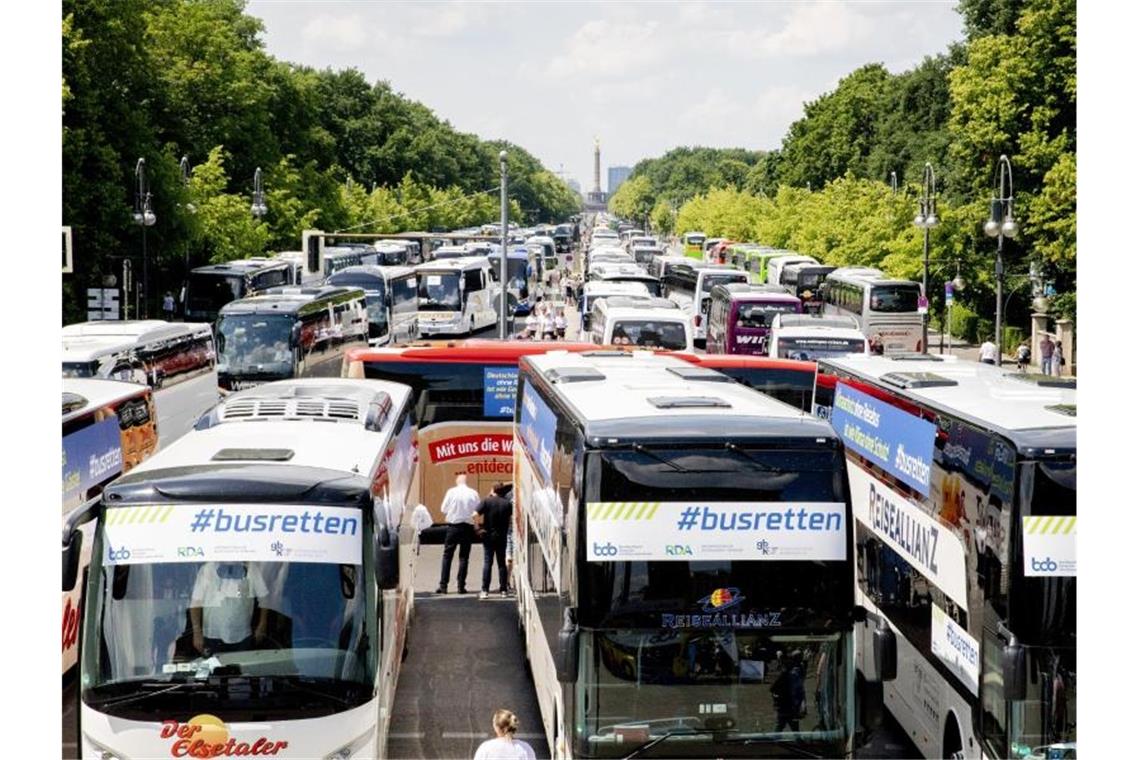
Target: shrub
{"type": "Point", "coordinates": [963, 322]}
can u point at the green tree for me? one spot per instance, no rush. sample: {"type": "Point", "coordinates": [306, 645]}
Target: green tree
{"type": "Point", "coordinates": [225, 228]}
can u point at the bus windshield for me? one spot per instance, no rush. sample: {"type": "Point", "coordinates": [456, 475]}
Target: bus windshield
{"type": "Point", "coordinates": [658, 660]}
{"type": "Point", "coordinates": [234, 639]}
{"type": "Point", "coordinates": [516, 272]}
{"type": "Point", "coordinates": [207, 293]}
{"type": "Point", "coordinates": [757, 315]}
{"type": "Point", "coordinates": [394, 256]}
{"type": "Point", "coordinates": [721, 278]}
{"type": "Point", "coordinates": [81, 369]}
{"type": "Point", "coordinates": [439, 292]}
{"type": "Point", "coordinates": [254, 342]}
{"type": "Point", "coordinates": [650, 333]}
{"type": "Point", "coordinates": [810, 349]}
{"type": "Point", "coordinates": [894, 298]}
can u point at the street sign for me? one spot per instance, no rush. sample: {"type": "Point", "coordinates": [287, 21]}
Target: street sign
{"type": "Point", "coordinates": [102, 304]}
{"type": "Point", "coordinates": [923, 305]}
{"type": "Point", "coordinates": [949, 292]}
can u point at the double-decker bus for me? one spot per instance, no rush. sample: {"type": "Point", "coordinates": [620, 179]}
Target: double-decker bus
{"type": "Point", "coordinates": [682, 555]}
{"type": "Point", "coordinates": [289, 332]}
{"type": "Point", "coordinates": [886, 309]}
{"type": "Point", "coordinates": [108, 428]}
{"type": "Point", "coordinates": [253, 584]}
{"type": "Point", "coordinates": [963, 480]}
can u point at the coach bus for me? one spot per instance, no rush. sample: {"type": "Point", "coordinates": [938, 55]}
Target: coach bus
{"type": "Point", "coordinates": [456, 296]}
{"type": "Point", "coordinates": [790, 381]}
{"type": "Point", "coordinates": [693, 244]}
{"type": "Point", "coordinates": [212, 287]}
{"type": "Point", "coordinates": [645, 639]}
{"type": "Point", "coordinates": [390, 298]}
{"type": "Point", "coordinates": [740, 315]}
{"type": "Point", "coordinates": [254, 582]}
{"type": "Point", "coordinates": [886, 309]}
{"type": "Point", "coordinates": [963, 479]}
{"type": "Point", "coordinates": [150, 352]}
{"type": "Point", "coordinates": [108, 428]}
{"type": "Point", "coordinates": [690, 285]}
{"type": "Point", "coordinates": [289, 332]}
{"type": "Point", "coordinates": [464, 394]}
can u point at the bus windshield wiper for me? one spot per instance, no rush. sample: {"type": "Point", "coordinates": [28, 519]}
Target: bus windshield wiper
{"type": "Point", "coordinates": [642, 450]}
{"type": "Point", "coordinates": [667, 735]}
{"type": "Point", "coordinates": [730, 446]}
{"type": "Point", "coordinates": [187, 685]}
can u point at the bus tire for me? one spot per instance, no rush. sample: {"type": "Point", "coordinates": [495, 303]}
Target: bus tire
{"type": "Point", "coordinates": [952, 739]}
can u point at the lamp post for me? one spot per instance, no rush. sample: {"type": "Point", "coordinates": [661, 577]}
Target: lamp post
{"type": "Point", "coordinates": [1001, 225]}
{"type": "Point", "coordinates": [503, 243]}
{"type": "Point", "coordinates": [950, 287]}
{"type": "Point", "coordinates": [184, 172]}
{"type": "Point", "coordinates": [894, 183]}
{"type": "Point", "coordinates": [257, 208]}
{"type": "Point", "coordinates": [144, 217]}
{"type": "Point", "coordinates": [926, 218]}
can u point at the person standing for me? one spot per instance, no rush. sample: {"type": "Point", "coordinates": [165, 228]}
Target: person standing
{"type": "Point", "coordinates": [459, 505]}
{"type": "Point", "coordinates": [788, 693]}
{"type": "Point", "coordinates": [495, 511]}
{"type": "Point", "coordinates": [168, 306]}
{"type": "Point", "coordinates": [560, 324]}
{"type": "Point", "coordinates": [987, 353]}
{"type": "Point", "coordinates": [504, 746]}
{"type": "Point", "coordinates": [1046, 346]}
{"type": "Point", "coordinates": [1023, 355]}
{"type": "Point", "coordinates": [1058, 358]}
{"type": "Point", "coordinates": [548, 325]}
{"type": "Point", "coordinates": [531, 324]}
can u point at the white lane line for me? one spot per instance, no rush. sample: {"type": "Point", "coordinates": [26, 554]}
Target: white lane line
{"type": "Point", "coordinates": [406, 735]}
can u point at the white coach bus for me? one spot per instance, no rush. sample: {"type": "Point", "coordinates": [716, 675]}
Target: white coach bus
{"type": "Point", "coordinates": [254, 581]}
{"type": "Point", "coordinates": [682, 550]}
{"type": "Point", "coordinates": [886, 309]}
{"type": "Point", "coordinates": [963, 481]}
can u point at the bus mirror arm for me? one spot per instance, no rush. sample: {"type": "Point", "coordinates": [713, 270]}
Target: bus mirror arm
{"type": "Point", "coordinates": [1014, 686]}
{"type": "Point", "coordinates": [884, 644]}
{"type": "Point", "coordinates": [567, 665]}
{"type": "Point", "coordinates": [73, 540]}
{"type": "Point", "coordinates": [387, 559]}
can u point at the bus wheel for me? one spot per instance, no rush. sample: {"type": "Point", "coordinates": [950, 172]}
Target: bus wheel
{"type": "Point", "coordinates": [952, 740]}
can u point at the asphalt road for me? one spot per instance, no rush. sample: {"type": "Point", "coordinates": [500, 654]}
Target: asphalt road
{"type": "Point", "coordinates": [180, 406]}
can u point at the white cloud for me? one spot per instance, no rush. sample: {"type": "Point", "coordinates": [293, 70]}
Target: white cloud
{"type": "Point", "coordinates": [337, 32]}
{"type": "Point", "coordinates": [604, 48]}
{"type": "Point", "coordinates": [811, 29]}
{"type": "Point", "coordinates": [449, 19]}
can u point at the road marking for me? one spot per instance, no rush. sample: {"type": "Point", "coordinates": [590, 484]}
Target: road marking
{"type": "Point", "coordinates": [407, 735]}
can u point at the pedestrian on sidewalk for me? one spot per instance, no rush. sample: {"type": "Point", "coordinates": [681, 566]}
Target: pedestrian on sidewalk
{"type": "Point", "coordinates": [495, 513]}
{"type": "Point", "coordinates": [548, 324]}
{"type": "Point", "coordinates": [531, 324]}
{"type": "Point", "coordinates": [459, 505]}
{"type": "Point", "coordinates": [1023, 356]}
{"type": "Point", "coordinates": [987, 352]}
{"type": "Point", "coordinates": [560, 324]}
{"type": "Point", "coordinates": [504, 746]}
{"type": "Point", "coordinates": [1058, 358]}
{"type": "Point", "coordinates": [1046, 346]}
{"type": "Point", "coordinates": [168, 306]}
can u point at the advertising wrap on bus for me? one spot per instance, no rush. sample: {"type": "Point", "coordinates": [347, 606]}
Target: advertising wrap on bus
{"type": "Point", "coordinates": [684, 531]}
{"type": "Point", "coordinates": [91, 455]}
{"type": "Point", "coordinates": [233, 533]}
{"type": "Point", "coordinates": [909, 530]}
{"type": "Point", "coordinates": [536, 428]}
{"type": "Point", "coordinates": [500, 384]}
{"type": "Point", "coordinates": [900, 443]}
{"type": "Point", "coordinates": [1049, 543]}
{"type": "Point", "coordinates": [957, 649]}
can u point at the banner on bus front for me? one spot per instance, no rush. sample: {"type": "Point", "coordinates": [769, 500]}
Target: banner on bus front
{"type": "Point", "coordinates": [619, 531]}
{"type": "Point", "coordinates": [232, 533]}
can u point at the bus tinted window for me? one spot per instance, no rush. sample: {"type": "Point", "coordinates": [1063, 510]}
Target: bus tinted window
{"type": "Point", "coordinates": [755, 315]}
{"type": "Point", "coordinates": [711, 280]}
{"type": "Point", "coordinates": [439, 292]}
{"type": "Point", "coordinates": [790, 386]}
{"type": "Point", "coordinates": [403, 294]}
{"type": "Point", "coordinates": [210, 292]}
{"type": "Point", "coordinates": [650, 334]}
{"type": "Point", "coordinates": [442, 392]}
{"type": "Point", "coordinates": [894, 298]}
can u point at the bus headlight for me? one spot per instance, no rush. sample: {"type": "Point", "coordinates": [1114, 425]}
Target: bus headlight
{"type": "Point", "coordinates": [354, 746]}
{"type": "Point", "coordinates": [93, 748]}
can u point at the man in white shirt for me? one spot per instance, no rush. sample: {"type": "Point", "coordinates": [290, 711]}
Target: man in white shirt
{"type": "Point", "coordinates": [221, 607]}
{"type": "Point", "coordinates": [987, 353]}
{"type": "Point", "coordinates": [459, 505]}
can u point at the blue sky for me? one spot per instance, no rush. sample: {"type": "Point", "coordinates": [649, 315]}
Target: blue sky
{"type": "Point", "coordinates": [642, 77]}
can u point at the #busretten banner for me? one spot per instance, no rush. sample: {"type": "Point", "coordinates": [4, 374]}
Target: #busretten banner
{"type": "Point", "coordinates": [679, 531]}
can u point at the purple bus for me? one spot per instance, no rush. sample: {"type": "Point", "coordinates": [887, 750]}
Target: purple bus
{"type": "Point", "coordinates": [740, 315]}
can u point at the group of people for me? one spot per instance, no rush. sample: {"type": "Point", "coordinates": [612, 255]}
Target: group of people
{"type": "Point", "coordinates": [545, 323]}
{"type": "Point", "coordinates": [470, 517]}
{"type": "Point", "coordinates": [1052, 355]}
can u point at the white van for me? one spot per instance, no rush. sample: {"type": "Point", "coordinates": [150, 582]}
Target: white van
{"type": "Point", "coordinates": [643, 322]}
{"type": "Point", "coordinates": [456, 296]}
{"type": "Point", "coordinates": [808, 337]}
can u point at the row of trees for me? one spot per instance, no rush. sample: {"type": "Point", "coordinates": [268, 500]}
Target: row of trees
{"type": "Point", "coordinates": [1009, 88]}
{"type": "Point", "coordinates": [160, 79]}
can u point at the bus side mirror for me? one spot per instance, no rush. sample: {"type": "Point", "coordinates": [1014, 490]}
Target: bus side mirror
{"type": "Point", "coordinates": [886, 653]}
{"type": "Point", "coordinates": [1013, 672]}
{"type": "Point", "coordinates": [388, 559]}
{"type": "Point", "coordinates": [567, 662]}
{"type": "Point", "coordinates": [71, 551]}
{"type": "Point", "coordinates": [295, 335]}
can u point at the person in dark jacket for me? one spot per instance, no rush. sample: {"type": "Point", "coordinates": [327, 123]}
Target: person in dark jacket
{"type": "Point", "coordinates": [788, 692]}
{"type": "Point", "coordinates": [495, 512]}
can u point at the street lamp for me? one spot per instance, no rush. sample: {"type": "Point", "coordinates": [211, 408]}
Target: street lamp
{"type": "Point", "coordinates": [926, 218]}
{"type": "Point", "coordinates": [184, 172]}
{"type": "Point", "coordinates": [257, 208]}
{"type": "Point", "coordinates": [894, 183]}
{"type": "Point", "coordinates": [1001, 225]}
{"type": "Point", "coordinates": [503, 244]}
{"type": "Point", "coordinates": [144, 217]}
